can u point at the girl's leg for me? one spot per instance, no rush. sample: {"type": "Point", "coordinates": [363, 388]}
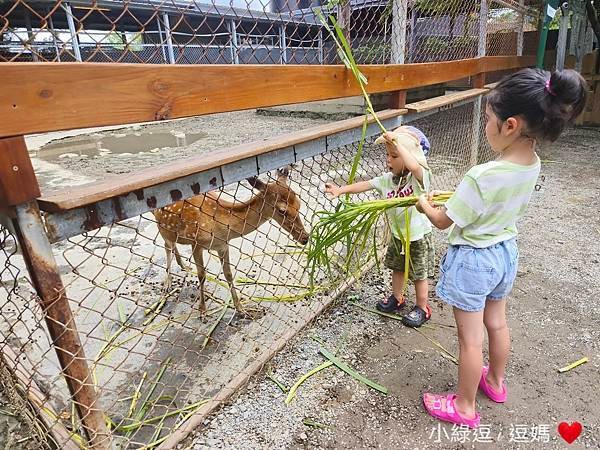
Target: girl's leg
{"type": "Point", "coordinates": [494, 318]}
{"type": "Point", "coordinates": [470, 359]}
{"type": "Point", "coordinates": [397, 284]}
{"type": "Point", "coordinates": [422, 292]}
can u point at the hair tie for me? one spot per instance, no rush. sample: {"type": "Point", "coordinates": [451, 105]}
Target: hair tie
{"type": "Point", "coordinates": [549, 89]}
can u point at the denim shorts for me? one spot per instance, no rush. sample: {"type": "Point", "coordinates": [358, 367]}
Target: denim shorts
{"type": "Point", "coordinates": [469, 276]}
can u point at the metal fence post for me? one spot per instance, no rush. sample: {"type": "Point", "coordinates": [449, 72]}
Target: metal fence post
{"type": "Point", "coordinates": [344, 18]}
{"type": "Point", "coordinates": [73, 31]}
{"type": "Point", "coordinates": [161, 40]}
{"type": "Point", "coordinates": [30, 36]}
{"type": "Point", "coordinates": [478, 82]}
{"type": "Point", "coordinates": [320, 45]}
{"type": "Point", "coordinates": [235, 57]}
{"type": "Point", "coordinates": [282, 44]}
{"type": "Point", "coordinates": [399, 13]}
{"type": "Point", "coordinates": [520, 33]}
{"type": "Point", "coordinates": [561, 47]}
{"type": "Point", "coordinates": [169, 38]}
{"type": "Point", "coordinates": [18, 190]}
{"type": "Point", "coordinates": [53, 33]}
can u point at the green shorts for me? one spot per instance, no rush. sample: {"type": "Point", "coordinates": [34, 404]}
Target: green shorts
{"type": "Point", "coordinates": [421, 257]}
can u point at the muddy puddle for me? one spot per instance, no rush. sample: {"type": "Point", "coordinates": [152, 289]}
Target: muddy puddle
{"type": "Point", "coordinates": [130, 143]}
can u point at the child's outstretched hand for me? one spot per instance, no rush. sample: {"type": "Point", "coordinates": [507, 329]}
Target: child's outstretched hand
{"type": "Point", "coordinates": [389, 137]}
{"type": "Point", "coordinates": [332, 189]}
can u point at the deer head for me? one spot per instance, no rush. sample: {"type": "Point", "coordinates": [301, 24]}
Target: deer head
{"type": "Point", "coordinates": [284, 203]}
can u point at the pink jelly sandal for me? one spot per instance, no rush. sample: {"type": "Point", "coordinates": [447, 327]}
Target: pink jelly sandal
{"type": "Point", "coordinates": [441, 406]}
{"type": "Point", "coordinates": [492, 394]}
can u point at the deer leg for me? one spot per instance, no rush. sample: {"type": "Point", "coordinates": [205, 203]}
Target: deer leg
{"type": "Point", "coordinates": [169, 250]}
{"type": "Point", "coordinates": [224, 257]}
{"type": "Point", "coordinates": [179, 260]}
{"type": "Point", "coordinates": [199, 260]}
{"type": "Point", "coordinates": [250, 312]}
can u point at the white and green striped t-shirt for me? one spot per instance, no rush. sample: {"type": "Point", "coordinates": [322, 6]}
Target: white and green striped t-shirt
{"type": "Point", "coordinates": [488, 202]}
{"type": "Point", "coordinates": [419, 223]}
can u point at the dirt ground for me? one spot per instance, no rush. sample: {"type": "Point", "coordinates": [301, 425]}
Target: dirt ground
{"type": "Point", "coordinates": [554, 320]}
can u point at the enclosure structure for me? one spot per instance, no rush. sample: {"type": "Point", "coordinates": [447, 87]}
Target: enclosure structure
{"type": "Point", "coordinates": [97, 349]}
{"type": "Point", "coordinates": [256, 32]}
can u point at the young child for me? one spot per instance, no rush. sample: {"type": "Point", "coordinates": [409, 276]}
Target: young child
{"type": "Point", "coordinates": [478, 271]}
{"type": "Point", "coordinates": [408, 174]}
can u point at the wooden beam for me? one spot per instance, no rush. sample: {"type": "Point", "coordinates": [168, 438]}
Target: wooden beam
{"type": "Point", "coordinates": [43, 97]}
{"type": "Point", "coordinates": [444, 100]}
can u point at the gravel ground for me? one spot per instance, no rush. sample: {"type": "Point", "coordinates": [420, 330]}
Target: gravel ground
{"type": "Point", "coordinates": [552, 314]}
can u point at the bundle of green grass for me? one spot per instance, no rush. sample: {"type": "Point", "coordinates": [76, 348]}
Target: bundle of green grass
{"type": "Point", "coordinates": [353, 223]}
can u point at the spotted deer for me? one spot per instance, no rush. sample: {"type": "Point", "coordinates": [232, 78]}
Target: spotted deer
{"type": "Point", "coordinates": [207, 222]}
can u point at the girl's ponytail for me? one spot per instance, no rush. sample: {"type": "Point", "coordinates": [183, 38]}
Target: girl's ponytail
{"type": "Point", "coordinates": [547, 102]}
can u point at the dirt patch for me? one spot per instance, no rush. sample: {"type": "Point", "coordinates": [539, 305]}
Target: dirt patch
{"type": "Point", "coordinates": [554, 319]}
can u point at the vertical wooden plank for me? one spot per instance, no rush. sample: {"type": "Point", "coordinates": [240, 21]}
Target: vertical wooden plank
{"type": "Point", "coordinates": [478, 81]}
{"type": "Point", "coordinates": [397, 100]}
{"type": "Point", "coordinates": [18, 183]}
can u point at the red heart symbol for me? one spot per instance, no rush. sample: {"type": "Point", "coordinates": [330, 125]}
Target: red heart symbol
{"type": "Point", "coordinates": [569, 432]}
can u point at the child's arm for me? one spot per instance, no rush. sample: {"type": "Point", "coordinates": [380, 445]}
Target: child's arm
{"type": "Point", "coordinates": [410, 161]}
{"type": "Point", "coordinates": [437, 216]}
{"type": "Point", "coordinates": [354, 188]}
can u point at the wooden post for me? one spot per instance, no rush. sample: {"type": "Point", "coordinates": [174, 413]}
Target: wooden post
{"type": "Point", "coordinates": [399, 19]}
{"type": "Point", "coordinates": [18, 190]}
{"type": "Point", "coordinates": [397, 100]}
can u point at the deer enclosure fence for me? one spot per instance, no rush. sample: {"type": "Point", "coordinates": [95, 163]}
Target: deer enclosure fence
{"type": "Point", "coordinates": [132, 307]}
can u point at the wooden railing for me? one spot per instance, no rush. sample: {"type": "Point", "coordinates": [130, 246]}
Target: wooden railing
{"type": "Point", "coordinates": [43, 97]}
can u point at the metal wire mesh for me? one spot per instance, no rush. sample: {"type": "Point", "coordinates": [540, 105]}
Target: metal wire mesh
{"type": "Point", "coordinates": [154, 357]}
{"type": "Point", "coordinates": [256, 31]}
{"type": "Point", "coordinates": [25, 349]}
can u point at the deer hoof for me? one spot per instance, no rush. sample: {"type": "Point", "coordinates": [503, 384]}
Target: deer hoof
{"type": "Point", "coordinates": [252, 313]}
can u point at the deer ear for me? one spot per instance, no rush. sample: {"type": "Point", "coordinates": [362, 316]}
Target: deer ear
{"type": "Point", "coordinates": [256, 183]}
{"type": "Point", "coordinates": [283, 173]}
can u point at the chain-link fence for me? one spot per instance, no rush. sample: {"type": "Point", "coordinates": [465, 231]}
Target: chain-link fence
{"type": "Point", "coordinates": [125, 322]}
{"type": "Point", "coordinates": [261, 31]}
{"type": "Point", "coordinates": [156, 357]}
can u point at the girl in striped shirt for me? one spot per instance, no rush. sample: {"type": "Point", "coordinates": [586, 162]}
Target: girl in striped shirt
{"type": "Point", "coordinates": [478, 271]}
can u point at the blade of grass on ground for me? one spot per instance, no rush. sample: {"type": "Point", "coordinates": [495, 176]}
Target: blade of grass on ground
{"type": "Point", "coordinates": [303, 378]}
{"type": "Point", "coordinates": [350, 371]}
{"type": "Point", "coordinates": [573, 365]}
